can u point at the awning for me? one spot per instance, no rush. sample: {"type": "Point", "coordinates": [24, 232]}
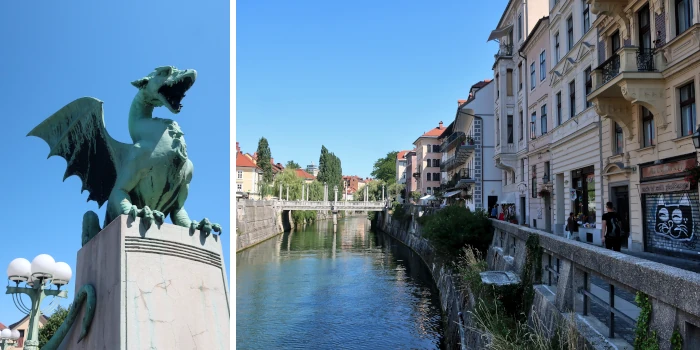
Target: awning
{"type": "Point", "coordinates": [499, 33]}
{"type": "Point", "coordinates": [429, 197]}
{"type": "Point", "coordinates": [508, 198]}
{"type": "Point", "coordinates": [450, 194]}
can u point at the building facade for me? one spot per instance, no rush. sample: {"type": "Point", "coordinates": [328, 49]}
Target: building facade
{"type": "Point", "coordinates": [537, 164]}
{"type": "Point", "coordinates": [412, 174]}
{"type": "Point", "coordinates": [401, 167]}
{"type": "Point", "coordinates": [428, 157]}
{"type": "Point", "coordinates": [467, 153]}
{"type": "Point", "coordinates": [510, 70]}
{"type": "Point", "coordinates": [644, 89]}
{"type": "Point", "coordinates": [247, 175]}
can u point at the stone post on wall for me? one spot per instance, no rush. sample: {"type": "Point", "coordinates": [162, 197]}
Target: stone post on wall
{"type": "Point", "coordinates": [280, 193]}
{"type": "Point", "coordinates": [382, 192]}
{"type": "Point", "coordinates": [335, 191]}
{"type": "Point", "coordinates": [302, 191]}
{"type": "Point", "coordinates": [287, 192]}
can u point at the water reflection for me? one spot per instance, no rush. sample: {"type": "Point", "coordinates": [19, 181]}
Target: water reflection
{"type": "Point", "coordinates": [348, 289]}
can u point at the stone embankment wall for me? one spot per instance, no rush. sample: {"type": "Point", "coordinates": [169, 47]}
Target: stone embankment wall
{"type": "Point", "coordinates": [452, 299]}
{"type": "Point", "coordinates": [256, 221]}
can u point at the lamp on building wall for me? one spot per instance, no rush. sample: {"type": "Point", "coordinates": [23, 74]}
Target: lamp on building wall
{"type": "Point", "coordinates": [696, 138]}
{"type": "Point", "coordinates": [37, 276]}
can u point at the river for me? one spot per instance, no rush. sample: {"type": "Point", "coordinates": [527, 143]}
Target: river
{"type": "Point", "coordinates": [352, 289]}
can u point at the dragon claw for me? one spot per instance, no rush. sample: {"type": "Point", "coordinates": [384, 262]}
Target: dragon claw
{"type": "Point", "coordinates": [148, 216]}
{"type": "Point", "coordinates": [205, 226]}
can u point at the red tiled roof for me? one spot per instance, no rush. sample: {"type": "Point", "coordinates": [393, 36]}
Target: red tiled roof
{"type": "Point", "coordinates": [304, 175]}
{"type": "Point", "coordinates": [401, 155]}
{"type": "Point", "coordinates": [243, 161]}
{"type": "Point", "coordinates": [2, 326]}
{"type": "Point", "coordinates": [482, 83]}
{"type": "Point", "coordinates": [435, 132]}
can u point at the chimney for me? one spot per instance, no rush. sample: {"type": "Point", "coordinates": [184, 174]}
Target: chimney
{"type": "Point", "coordinates": [440, 127]}
{"type": "Point", "coordinates": [238, 147]}
{"type": "Point", "coordinates": [272, 160]}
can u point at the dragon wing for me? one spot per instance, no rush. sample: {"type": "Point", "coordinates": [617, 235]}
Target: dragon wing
{"type": "Point", "coordinates": [77, 133]}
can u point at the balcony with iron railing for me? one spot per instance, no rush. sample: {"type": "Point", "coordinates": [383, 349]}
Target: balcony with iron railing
{"type": "Point", "coordinates": [630, 76]}
{"type": "Point", "coordinates": [505, 50]}
{"type": "Point", "coordinates": [461, 156]}
{"type": "Point", "coordinates": [457, 138]}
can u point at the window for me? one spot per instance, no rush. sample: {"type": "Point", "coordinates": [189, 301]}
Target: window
{"type": "Point", "coordinates": [436, 176]}
{"type": "Point", "coordinates": [614, 43]}
{"type": "Point", "coordinates": [570, 33]}
{"type": "Point", "coordinates": [572, 99]}
{"type": "Point", "coordinates": [557, 55]}
{"type": "Point", "coordinates": [498, 131]}
{"type": "Point", "coordinates": [586, 16]}
{"type": "Point", "coordinates": [239, 187]}
{"type": "Point", "coordinates": [543, 120]}
{"type": "Point", "coordinates": [534, 181]}
{"type": "Point", "coordinates": [509, 82]}
{"type": "Point", "coordinates": [436, 162]}
{"type": "Point", "coordinates": [428, 176]}
{"type": "Point", "coordinates": [546, 176]}
{"type": "Point", "coordinates": [589, 86]}
{"type": "Point", "coordinates": [532, 76]}
{"type": "Point", "coordinates": [520, 26]}
{"type": "Point", "coordinates": [522, 169]}
{"type": "Point", "coordinates": [520, 76]}
{"type": "Point", "coordinates": [533, 127]}
{"type": "Point", "coordinates": [498, 87]}
{"type": "Point", "coordinates": [240, 174]}
{"type": "Point", "coordinates": [647, 128]}
{"type": "Point", "coordinates": [687, 104]}
{"type": "Point", "coordinates": [558, 108]}
{"type": "Point", "coordinates": [684, 15]}
{"type": "Point", "coordinates": [436, 148]}
{"type": "Point", "coordinates": [543, 69]}
{"type": "Point", "coordinates": [510, 128]}
{"type": "Point", "coordinates": [644, 29]}
{"type": "Point", "coordinates": [520, 124]}
{"type": "Point", "coordinates": [618, 144]}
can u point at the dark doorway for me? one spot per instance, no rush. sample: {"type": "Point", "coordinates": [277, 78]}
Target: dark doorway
{"type": "Point", "coordinates": [493, 200]}
{"type": "Point", "coordinates": [619, 195]}
{"type": "Point", "coordinates": [522, 211]}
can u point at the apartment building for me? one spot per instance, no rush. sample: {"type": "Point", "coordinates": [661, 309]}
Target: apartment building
{"type": "Point", "coordinates": [412, 174]}
{"type": "Point", "coordinates": [401, 167]}
{"type": "Point", "coordinates": [467, 153]}
{"type": "Point", "coordinates": [644, 89]}
{"type": "Point", "coordinates": [514, 27]}
{"type": "Point", "coordinates": [428, 157]}
{"type": "Point", "coordinates": [538, 162]}
{"type": "Point", "coordinates": [248, 175]}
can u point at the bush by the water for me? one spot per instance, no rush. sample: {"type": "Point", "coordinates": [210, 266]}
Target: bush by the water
{"type": "Point", "coordinates": [453, 227]}
{"type": "Point", "coordinates": [301, 217]}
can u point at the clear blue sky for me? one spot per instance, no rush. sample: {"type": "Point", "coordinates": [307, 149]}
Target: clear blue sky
{"type": "Point", "coordinates": [362, 78]}
{"type": "Point", "coordinates": [54, 52]}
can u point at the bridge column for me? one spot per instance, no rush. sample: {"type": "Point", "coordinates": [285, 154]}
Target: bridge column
{"type": "Point", "coordinates": [287, 192]}
{"type": "Point", "coordinates": [280, 193]}
{"type": "Point", "coordinates": [382, 192]}
{"type": "Point", "coordinates": [335, 191]}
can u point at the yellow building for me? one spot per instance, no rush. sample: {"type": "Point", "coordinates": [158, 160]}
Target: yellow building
{"type": "Point", "coordinates": [23, 327]}
{"type": "Point", "coordinates": [247, 176]}
{"type": "Point", "coordinates": [644, 90]}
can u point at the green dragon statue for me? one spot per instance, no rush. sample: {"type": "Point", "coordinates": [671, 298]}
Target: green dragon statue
{"type": "Point", "coordinates": [150, 178]}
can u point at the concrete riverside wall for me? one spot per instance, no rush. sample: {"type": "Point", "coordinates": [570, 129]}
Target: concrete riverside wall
{"type": "Point", "coordinates": [161, 288]}
{"type": "Point", "coordinates": [257, 221]}
{"type": "Point", "coordinates": [452, 299]}
{"type": "Point", "coordinates": [674, 293]}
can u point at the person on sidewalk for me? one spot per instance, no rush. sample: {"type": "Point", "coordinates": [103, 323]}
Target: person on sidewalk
{"type": "Point", "coordinates": [572, 227]}
{"type": "Point", "coordinates": [612, 229]}
{"type": "Point", "coordinates": [494, 211]}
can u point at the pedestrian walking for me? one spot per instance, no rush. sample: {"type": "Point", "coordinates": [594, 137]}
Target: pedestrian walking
{"type": "Point", "coordinates": [612, 229]}
{"type": "Point", "coordinates": [571, 226]}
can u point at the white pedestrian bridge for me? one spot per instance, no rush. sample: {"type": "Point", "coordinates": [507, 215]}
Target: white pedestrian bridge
{"type": "Point", "coordinates": [331, 205]}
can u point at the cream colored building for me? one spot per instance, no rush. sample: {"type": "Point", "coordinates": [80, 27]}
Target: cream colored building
{"type": "Point", "coordinates": [247, 175]}
{"type": "Point", "coordinates": [510, 69]}
{"type": "Point", "coordinates": [539, 114]}
{"type": "Point", "coordinates": [645, 92]}
{"type": "Point", "coordinates": [428, 157]}
{"type": "Point", "coordinates": [22, 326]}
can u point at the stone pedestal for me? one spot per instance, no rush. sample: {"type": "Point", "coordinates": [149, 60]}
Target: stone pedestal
{"type": "Point", "coordinates": [161, 288]}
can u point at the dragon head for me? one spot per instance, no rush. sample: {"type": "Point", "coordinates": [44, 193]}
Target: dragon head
{"type": "Point", "coordinates": [166, 86]}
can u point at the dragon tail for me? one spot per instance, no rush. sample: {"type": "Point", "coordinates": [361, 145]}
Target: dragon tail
{"type": "Point", "coordinates": [86, 293]}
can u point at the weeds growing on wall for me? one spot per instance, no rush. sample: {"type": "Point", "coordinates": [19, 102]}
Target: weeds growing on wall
{"type": "Point", "coordinates": [501, 312]}
{"type": "Point", "coordinates": [645, 339]}
{"type": "Point", "coordinates": [399, 213]}
{"type": "Point", "coordinates": [453, 227]}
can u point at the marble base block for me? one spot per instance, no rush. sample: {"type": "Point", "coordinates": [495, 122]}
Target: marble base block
{"type": "Point", "coordinates": [162, 288]}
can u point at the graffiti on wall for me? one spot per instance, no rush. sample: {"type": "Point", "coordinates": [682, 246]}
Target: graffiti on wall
{"type": "Point", "coordinates": [674, 219]}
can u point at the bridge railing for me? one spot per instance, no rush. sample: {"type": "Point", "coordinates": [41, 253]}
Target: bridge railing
{"type": "Point", "coordinates": [329, 204]}
{"type": "Point", "coordinates": [599, 285]}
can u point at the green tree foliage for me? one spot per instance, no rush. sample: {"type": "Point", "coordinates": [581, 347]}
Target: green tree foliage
{"type": "Point", "coordinates": [330, 171]}
{"type": "Point", "coordinates": [374, 189]}
{"type": "Point", "coordinates": [453, 227]}
{"type": "Point", "coordinates": [415, 195]}
{"type": "Point", "coordinates": [292, 165]}
{"type": "Point", "coordinates": [288, 178]}
{"type": "Point", "coordinates": [263, 161]}
{"type": "Point", "coordinates": [54, 321]}
{"type": "Point", "coordinates": [385, 168]}
{"type": "Point", "coordinates": [395, 190]}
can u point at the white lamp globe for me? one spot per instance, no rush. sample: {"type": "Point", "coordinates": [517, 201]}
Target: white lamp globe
{"type": "Point", "coordinates": [6, 333]}
{"type": "Point", "coordinates": [62, 274]}
{"type": "Point", "coordinates": [15, 335]}
{"type": "Point", "coordinates": [43, 266]}
{"type": "Point", "coordinates": [19, 270]}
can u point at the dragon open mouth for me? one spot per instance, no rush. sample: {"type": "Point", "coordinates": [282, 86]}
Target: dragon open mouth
{"type": "Point", "coordinates": [175, 92]}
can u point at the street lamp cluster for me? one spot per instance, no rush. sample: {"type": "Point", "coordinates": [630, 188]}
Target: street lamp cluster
{"type": "Point", "coordinates": [8, 338]}
{"type": "Point", "coordinates": [37, 276]}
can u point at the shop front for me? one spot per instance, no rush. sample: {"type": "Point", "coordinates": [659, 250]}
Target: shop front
{"type": "Point", "coordinates": [670, 207]}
